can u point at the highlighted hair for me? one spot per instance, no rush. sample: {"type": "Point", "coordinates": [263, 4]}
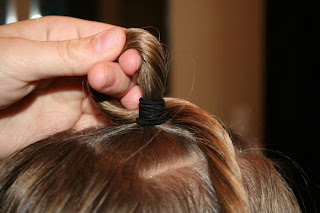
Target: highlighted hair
{"type": "Point", "coordinates": [187, 164]}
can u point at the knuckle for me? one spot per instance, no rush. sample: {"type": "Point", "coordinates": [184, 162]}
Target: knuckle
{"type": "Point", "coordinates": [68, 55]}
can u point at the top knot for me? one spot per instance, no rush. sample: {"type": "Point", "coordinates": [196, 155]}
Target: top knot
{"type": "Point", "coordinates": [152, 76]}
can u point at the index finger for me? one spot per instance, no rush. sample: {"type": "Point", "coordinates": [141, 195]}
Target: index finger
{"type": "Point", "coordinates": [53, 28]}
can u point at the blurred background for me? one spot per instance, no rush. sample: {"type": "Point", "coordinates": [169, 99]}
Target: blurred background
{"type": "Point", "coordinates": [253, 63]}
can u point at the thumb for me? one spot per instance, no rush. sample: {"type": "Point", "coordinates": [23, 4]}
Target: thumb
{"type": "Point", "coordinates": [35, 60]}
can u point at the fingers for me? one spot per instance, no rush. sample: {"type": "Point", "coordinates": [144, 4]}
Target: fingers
{"type": "Point", "coordinates": [131, 99]}
{"type": "Point", "coordinates": [29, 60]}
{"type": "Point", "coordinates": [130, 61]}
{"type": "Point", "coordinates": [108, 78]}
{"type": "Point", "coordinates": [119, 80]}
{"type": "Point", "coordinates": [33, 60]}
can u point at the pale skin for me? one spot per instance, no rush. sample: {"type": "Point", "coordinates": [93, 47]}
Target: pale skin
{"type": "Point", "coordinates": [42, 64]}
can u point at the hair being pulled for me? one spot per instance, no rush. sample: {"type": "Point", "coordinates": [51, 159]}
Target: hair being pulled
{"type": "Point", "coordinates": [152, 76]}
{"type": "Point", "coordinates": [189, 163]}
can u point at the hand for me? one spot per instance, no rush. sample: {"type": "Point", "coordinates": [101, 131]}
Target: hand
{"type": "Point", "coordinates": [42, 62]}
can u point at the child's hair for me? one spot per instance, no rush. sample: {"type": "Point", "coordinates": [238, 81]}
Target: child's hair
{"type": "Point", "coordinates": [190, 163]}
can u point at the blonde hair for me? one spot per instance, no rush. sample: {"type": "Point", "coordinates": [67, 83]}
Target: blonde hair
{"type": "Point", "coordinates": [190, 163]}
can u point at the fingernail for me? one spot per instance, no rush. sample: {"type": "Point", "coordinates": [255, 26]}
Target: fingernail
{"type": "Point", "coordinates": [109, 79]}
{"type": "Point", "coordinates": [107, 40]}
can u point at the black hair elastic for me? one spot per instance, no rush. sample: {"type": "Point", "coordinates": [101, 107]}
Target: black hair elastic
{"type": "Point", "coordinates": [151, 112]}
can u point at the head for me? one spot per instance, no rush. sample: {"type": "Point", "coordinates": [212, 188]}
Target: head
{"type": "Point", "coordinates": [190, 163]}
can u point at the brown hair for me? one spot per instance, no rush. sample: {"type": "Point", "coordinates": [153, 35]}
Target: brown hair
{"type": "Point", "coordinates": [191, 163]}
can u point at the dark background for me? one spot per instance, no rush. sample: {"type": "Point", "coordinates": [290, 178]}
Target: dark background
{"type": "Point", "coordinates": [292, 106]}
{"type": "Point", "coordinates": [134, 13]}
{"type": "Point", "coordinates": [292, 95]}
